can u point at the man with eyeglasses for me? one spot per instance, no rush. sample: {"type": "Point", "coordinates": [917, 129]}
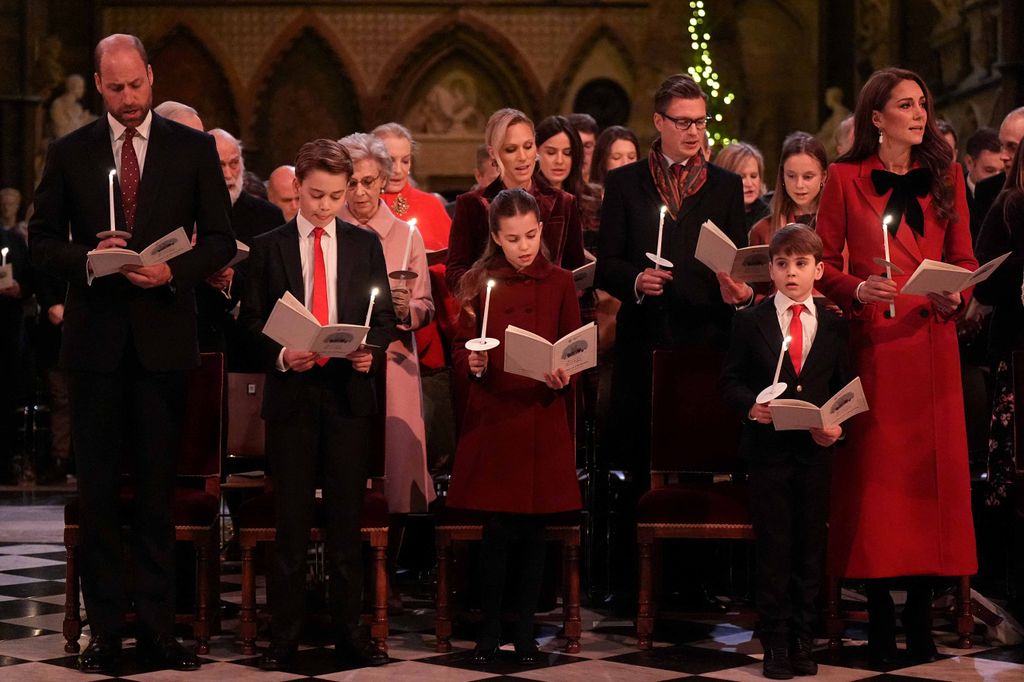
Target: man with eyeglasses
{"type": "Point", "coordinates": [685, 306]}
{"type": "Point", "coordinates": [1011, 131]}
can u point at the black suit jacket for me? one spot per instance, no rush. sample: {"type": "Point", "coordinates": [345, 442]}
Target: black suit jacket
{"type": "Point", "coordinates": [250, 217]}
{"type": "Point", "coordinates": [749, 367]}
{"type": "Point", "coordinates": [276, 267]}
{"type": "Point", "coordinates": [985, 193]}
{"type": "Point", "coordinates": [691, 311]}
{"type": "Point", "coordinates": [181, 185]}
{"type": "Point", "coordinates": [1003, 231]}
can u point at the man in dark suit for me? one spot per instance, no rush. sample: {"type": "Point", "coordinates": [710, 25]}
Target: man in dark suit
{"type": "Point", "coordinates": [129, 337]}
{"type": "Point", "coordinates": [682, 306]}
{"type": "Point", "coordinates": [317, 409]}
{"type": "Point", "coordinates": [981, 161]}
{"type": "Point", "coordinates": [790, 471]}
{"type": "Point", "coordinates": [1011, 132]}
{"type": "Point", "coordinates": [221, 293]}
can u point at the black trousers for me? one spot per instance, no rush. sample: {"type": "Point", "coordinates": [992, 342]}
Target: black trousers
{"type": "Point", "coordinates": [506, 536]}
{"type": "Point", "coordinates": [127, 420]}
{"type": "Point", "coordinates": [789, 505]}
{"type": "Point", "coordinates": [321, 437]}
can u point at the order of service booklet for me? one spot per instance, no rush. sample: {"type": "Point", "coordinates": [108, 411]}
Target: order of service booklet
{"type": "Point", "coordinates": [295, 328]}
{"type": "Point", "coordinates": [241, 253]}
{"type": "Point", "coordinates": [934, 276]}
{"type": "Point", "coordinates": [105, 262]}
{"type": "Point", "coordinates": [799, 415]}
{"type": "Point", "coordinates": [583, 276]}
{"type": "Point", "coordinates": [718, 252]}
{"type": "Point", "coordinates": [530, 355]}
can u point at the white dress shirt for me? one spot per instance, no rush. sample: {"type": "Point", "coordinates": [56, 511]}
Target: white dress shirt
{"type": "Point", "coordinates": [808, 320]}
{"type": "Point", "coordinates": [140, 141]}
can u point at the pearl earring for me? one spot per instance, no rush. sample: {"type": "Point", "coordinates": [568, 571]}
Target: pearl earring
{"type": "Point", "coordinates": [881, 136]}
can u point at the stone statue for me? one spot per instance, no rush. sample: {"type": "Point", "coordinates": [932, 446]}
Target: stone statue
{"type": "Point", "coordinates": [66, 112]}
{"type": "Point", "coordinates": [10, 202]}
{"type": "Point", "coordinates": [827, 133]}
{"type": "Point", "coordinates": [449, 108]}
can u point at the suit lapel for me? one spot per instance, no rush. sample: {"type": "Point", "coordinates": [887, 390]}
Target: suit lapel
{"type": "Point", "coordinates": [99, 165]}
{"type": "Point", "coordinates": [823, 322]}
{"type": "Point", "coordinates": [768, 323]}
{"type": "Point", "coordinates": [346, 264]}
{"type": "Point", "coordinates": [292, 261]}
{"type": "Point", "coordinates": [158, 152]}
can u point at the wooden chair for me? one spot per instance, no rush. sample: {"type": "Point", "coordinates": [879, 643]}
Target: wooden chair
{"type": "Point", "coordinates": [196, 506]}
{"type": "Point", "coordinates": [256, 524]}
{"type": "Point", "coordinates": [245, 431]}
{"type": "Point", "coordinates": [694, 493]}
{"type": "Point", "coordinates": [452, 525]}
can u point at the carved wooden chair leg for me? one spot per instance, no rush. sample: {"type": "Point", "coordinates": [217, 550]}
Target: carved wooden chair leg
{"type": "Point", "coordinates": [72, 603]}
{"type": "Point", "coordinates": [247, 613]}
{"type": "Point", "coordinates": [964, 616]}
{"type": "Point", "coordinates": [201, 626]}
{"type": "Point", "coordinates": [443, 618]}
{"type": "Point", "coordinates": [379, 628]}
{"type": "Point", "coordinates": [645, 614]}
{"type": "Point", "coordinates": [573, 625]}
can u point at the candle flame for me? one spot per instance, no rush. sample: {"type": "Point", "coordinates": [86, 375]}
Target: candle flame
{"type": "Point", "coordinates": [490, 283]}
{"type": "Point", "coordinates": [412, 224]}
{"type": "Point", "coordinates": [886, 220]}
{"type": "Point", "coordinates": [374, 292]}
{"type": "Point", "coordinates": [785, 342]}
{"type": "Point", "coordinates": [3, 251]}
{"type": "Point", "coordinates": [113, 172]}
{"type": "Point", "coordinates": [664, 209]}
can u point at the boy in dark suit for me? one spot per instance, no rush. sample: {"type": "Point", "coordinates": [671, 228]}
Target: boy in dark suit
{"type": "Point", "coordinates": [317, 409]}
{"type": "Point", "coordinates": [790, 471]}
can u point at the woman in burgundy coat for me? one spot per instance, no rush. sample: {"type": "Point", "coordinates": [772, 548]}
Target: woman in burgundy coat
{"type": "Point", "coordinates": [901, 503]}
{"type": "Point", "coordinates": [515, 459]}
{"type": "Point", "coordinates": [510, 140]}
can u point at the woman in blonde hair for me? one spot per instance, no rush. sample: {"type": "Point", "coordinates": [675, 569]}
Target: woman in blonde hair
{"type": "Point", "coordinates": [511, 141]}
{"type": "Point", "coordinates": [746, 161]}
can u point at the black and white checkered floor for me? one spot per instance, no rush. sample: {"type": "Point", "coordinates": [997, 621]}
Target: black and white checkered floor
{"type": "Point", "coordinates": [31, 646]}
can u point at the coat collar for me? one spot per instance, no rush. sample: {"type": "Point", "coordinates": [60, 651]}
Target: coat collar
{"type": "Point", "coordinates": [540, 268]}
{"type": "Point", "coordinates": [382, 222]}
{"type": "Point", "coordinates": [904, 235]}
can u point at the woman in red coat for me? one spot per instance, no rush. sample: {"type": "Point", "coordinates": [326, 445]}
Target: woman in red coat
{"type": "Point", "coordinates": [901, 491]}
{"type": "Point", "coordinates": [511, 143]}
{"type": "Point", "coordinates": [515, 459]}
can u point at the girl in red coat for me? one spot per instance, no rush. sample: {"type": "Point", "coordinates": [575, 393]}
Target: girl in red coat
{"type": "Point", "coordinates": [901, 504]}
{"type": "Point", "coordinates": [515, 460]}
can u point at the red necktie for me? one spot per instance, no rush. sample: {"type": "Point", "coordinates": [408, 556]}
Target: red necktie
{"type": "Point", "coordinates": [796, 337]}
{"type": "Point", "coordinates": [129, 179]}
{"type": "Point", "coordinates": [320, 306]}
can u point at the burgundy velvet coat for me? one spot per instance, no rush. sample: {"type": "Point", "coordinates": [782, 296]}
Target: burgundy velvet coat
{"type": "Point", "coordinates": [901, 500]}
{"type": "Point", "coordinates": [516, 450]}
{"type": "Point", "coordinates": [562, 233]}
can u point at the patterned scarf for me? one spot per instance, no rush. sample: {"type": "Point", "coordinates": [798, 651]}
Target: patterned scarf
{"type": "Point", "coordinates": [679, 182]}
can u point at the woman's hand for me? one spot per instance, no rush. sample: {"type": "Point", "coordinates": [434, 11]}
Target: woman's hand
{"type": "Point", "coordinates": [945, 303]}
{"type": "Point", "coordinates": [477, 362]}
{"type": "Point", "coordinates": [558, 380]}
{"type": "Point", "coordinates": [877, 289]}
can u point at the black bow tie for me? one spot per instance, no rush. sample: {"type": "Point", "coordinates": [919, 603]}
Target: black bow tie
{"type": "Point", "coordinates": [916, 183]}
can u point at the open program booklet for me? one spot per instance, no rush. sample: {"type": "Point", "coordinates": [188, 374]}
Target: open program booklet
{"type": "Point", "coordinates": [295, 328]}
{"type": "Point", "coordinates": [934, 276]}
{"type": "Point", "coordinates": [797, 415]}
{"type": "Point", "coordinates": [532, 356]}
{"type": "Point", "coordinates": [105, 262]}
{"type": "Point", "coordinates": [718, 252]}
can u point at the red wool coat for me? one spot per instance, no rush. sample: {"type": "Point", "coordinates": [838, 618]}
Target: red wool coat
{"type": "Point", "coordinates": [515, 452]}
{"type": "Point", "coordinates": [901, 500]}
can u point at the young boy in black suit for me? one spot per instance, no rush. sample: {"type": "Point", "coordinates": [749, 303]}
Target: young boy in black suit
{"type": "Point", "coordinates": [790, 471]}
{"type": "Point", "coordinates": [317, 409]}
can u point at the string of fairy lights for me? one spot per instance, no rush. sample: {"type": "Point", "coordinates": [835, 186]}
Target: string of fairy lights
{"type": "Point", "coordinates": [703, 72]}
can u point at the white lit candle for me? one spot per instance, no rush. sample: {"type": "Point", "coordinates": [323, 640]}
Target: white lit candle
{"type": "Point", "coordinates": [661, 231]}
{"type": "Point", "coordinates": [369, 311]}
{"type": "Point", "coordinates": [3, 256]}
{"type": "Point", "coordinates": [888, 268]}
{"type": "Point", "coordinates": [110, 187]}
{"type": "Point", "coordinates": [408, 245]}
{"type": "Point", "coordinates": [782, 354]}
{"type": "Point", "coordinates": [487, 308]}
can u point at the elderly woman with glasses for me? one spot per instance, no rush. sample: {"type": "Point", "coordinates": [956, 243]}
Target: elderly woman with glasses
{"type": "Point", "coordinates": [408, 486]}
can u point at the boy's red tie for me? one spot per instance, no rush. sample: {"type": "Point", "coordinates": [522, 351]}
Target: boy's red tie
{"type": "Point", "coordinates": [796, 337]}
{"type": "Point", "coordinates": [320, 307]}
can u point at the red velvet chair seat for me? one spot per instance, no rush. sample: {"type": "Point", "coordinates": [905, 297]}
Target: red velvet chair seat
{"type": "Point", "coordinates": [448, 516]}
{"type": "Point", "coordinates": [259, 512]}
{"type": "Point", "coordinates": [191, 507]}
{"type": "Point", "coordinates": [695, 503]}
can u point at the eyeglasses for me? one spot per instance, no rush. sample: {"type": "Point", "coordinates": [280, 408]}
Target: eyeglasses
{"type": "Point", "coordinates": [367, 182]}
{"type": "Point", "coordinates": [684, 124]}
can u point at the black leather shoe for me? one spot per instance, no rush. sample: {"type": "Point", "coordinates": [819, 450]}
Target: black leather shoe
{"type": "Point", "coordinates": [360, 654]}
{"type": "Point", "coordinates": [921, 648]}
{"type": "Point", "coordinates": [103, 655]}
{"type": "Point", "coordinates": [777, 665]}
{"type": "Point", "coordinates": [167, 652]}
{"type": "Point", "coordinates": [527, 654]}
{"type": "Point", "coordinates": [278, 656]}
{"type": "Point", "coordinates": [484, 653]}
{"type": "Point", "coordinates": [800, 658]}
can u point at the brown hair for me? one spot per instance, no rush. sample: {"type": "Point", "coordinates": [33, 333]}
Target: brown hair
{"type": "Point", "coordinates": [677, 86]}
{"type": "Point", "coordinates": [795, 239]}
{"type": "Point", "coordinates": [933, 153]}
{"type": "Point", "coordinates": [603, 148]}
{"type": "Point", "coordinates": [324, 155]}
{"type": "Point", "coordinates": [583, 123]}
{"type": "Point", "coordinates": [507, 204]}
{"type": "Point", "coordinates": [795, 143]}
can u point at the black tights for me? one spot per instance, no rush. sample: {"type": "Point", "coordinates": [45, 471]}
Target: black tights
{"type": "Point", "coordinates": [502, 533]}
{"type": "Point", "coordinates": [916, 616]}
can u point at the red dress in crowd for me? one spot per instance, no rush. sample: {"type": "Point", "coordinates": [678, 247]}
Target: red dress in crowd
{"type": "Point", "coordinates": [901, 497]}
{"type": "Point", "coordinates": [516, 451]}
